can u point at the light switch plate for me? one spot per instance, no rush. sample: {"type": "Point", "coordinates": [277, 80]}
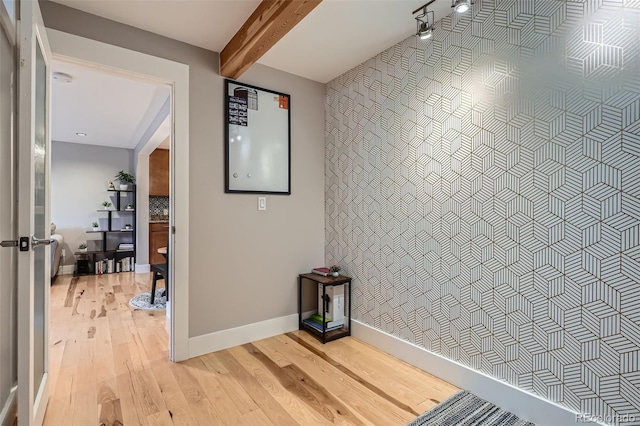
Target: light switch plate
{"type": "Point", "coordinates": [262, 203]}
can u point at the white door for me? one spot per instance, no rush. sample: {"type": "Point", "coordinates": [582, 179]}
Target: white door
{"type": "Point", "coordinates": [34, 275]}
{"type": "Point", "coordinates": [8, 229]}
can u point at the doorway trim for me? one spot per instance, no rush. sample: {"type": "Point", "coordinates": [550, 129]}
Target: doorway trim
{"type": "Point", "coordinates": [71, 48]}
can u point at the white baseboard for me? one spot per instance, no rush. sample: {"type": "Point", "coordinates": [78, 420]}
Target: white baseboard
{"type": "Point", "coordinates": [224, 339]}
{"type": "Point", "coordinates": [141, 269]}
{"type": "Point", "coordinates": [9, 411]}
{"type": "Point", "coordinates": [66, 270]}
{"type": "Point", "coordinates": [504, 395]}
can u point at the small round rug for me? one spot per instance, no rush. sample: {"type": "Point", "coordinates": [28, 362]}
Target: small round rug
{"type": "Point", "coordinates": [143, 301]}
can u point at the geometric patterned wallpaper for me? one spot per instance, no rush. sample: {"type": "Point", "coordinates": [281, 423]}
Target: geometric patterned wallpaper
{"type": "Point", "coordinates": [483, 189]}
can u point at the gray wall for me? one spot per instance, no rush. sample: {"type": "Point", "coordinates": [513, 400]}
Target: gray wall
{"type": "Point", "coordinates": [8, 292]}
{"type": "Point", "coordinates": [484, 189]}
{"type": "Point", "coordinates": [243, 263]}
{"type": "Point", "coordinates": [79, 175]}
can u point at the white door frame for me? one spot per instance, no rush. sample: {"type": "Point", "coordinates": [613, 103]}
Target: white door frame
{"type": "Point", "coordinates": [80, 50]}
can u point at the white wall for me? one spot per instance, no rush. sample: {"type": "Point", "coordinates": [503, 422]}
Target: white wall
{"type": "Point", "coordinates": [142, 208]}
{"type": "Point", "coordinates": [79, 175]}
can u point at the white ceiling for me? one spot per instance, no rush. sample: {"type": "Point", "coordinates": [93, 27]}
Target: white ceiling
{"type": "Point", "coordinates": [338, 35]}
{"type": "Point", "coordinates": [335, 37]}
{"type": "Point", "coordinates": [111, 109]}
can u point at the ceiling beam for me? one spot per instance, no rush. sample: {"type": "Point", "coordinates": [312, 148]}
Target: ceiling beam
{"type": "Point", "coordinates": [271, 20]}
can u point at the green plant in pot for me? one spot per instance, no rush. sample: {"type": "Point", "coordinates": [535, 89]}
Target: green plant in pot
{"type": "Point", "coordinates": [106, 205]}
{"type": "Point", "coordinates": [335, 270]}
{"type": "Point", "coordinates": [96, 226]}
{"type": "Point", "coordinates": [82, 247]}
{"type": "Point", "coordinates": [125, 179]}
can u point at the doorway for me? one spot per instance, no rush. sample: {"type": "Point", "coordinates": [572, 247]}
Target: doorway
{"type": "Point", "coordinates": [101, 314]}
{"type": "Point", "coordinates": [78, 50]}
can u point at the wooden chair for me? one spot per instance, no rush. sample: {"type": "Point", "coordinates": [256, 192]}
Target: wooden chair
{"type": "Point", "coordinates": [160, 272]}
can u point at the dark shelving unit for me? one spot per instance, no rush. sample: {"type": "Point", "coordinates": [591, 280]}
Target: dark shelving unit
{"type": "Point", "coordinates": [324, 282]}
{"type": "Point", "coordinates": [90, 257]}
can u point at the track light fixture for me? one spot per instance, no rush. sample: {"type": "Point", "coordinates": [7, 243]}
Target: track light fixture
{"type": "Point", "coordinates": [424, 24]}
{"type": "Point", "coordinates": [461, 6]}
{"type": "Point", "coordinates": [425, 31]}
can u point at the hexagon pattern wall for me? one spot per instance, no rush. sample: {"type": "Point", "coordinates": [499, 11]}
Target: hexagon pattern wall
{"type": "Point", "coordinates": [483, 188]}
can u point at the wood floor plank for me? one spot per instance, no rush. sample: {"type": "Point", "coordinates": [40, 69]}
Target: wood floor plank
{"type": "Point", "coordinates": [85, 411]}
{"type": "Point", "coordinates": [321, 370]}
{"type": "Point", "coordinates": [59, 411]}
{"type": "Point", "coordinates": [56, 351]}
{"type": "Point", "coordinates": [379, 380]}
{"type": "Point", "coordinates": [160, 419]}
{"type": "Point", "coordinates": [65, 384]}
{"type": "Point", "coordinates": [231, 387]}
{"type": "Point", "coordinates": [367, 403]}
{"type": "Point", "coordinates": [131, 413]}
{"type": "Point", "coordinates": [270, 376]}
{"type": "Point", "coordinates": [174, 399]}
{"type": "Point", "coordinates": [428, 404]}
{"type": "Point", "coordinates": [271, 347]}
{"type": "Point", "coordinates": [213, 364]}
{"type": "Point", "coordinates": [107, 390]}
{"type": "Point", "coordinates": [71, 292]}
{"type": "Point", "coordinates": [256, 417]}
{"type": "Point", "coordinates": [260, 395]}
{"type": "Point", "coordinates": [110, 413]}
{"type": "Point", "coordinates": [227, 412]}
{"type": "Point", "coordinates": [411, 377]}
{"type": "Point", "coordinates": [147, 394]}
{"type": "Point", "coordinates": [197, 400]}
{"type": "Point", "coordinates": [109, 365]}
{"type": "Point", "coordinates": [104, 359]}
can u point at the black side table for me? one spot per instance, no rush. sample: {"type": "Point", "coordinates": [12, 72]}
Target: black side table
{"type": "Point", "coordinates": [321, 332]}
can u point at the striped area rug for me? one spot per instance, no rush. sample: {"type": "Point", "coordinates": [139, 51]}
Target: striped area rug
{"type": "Point", "coordinates": [465, 408]}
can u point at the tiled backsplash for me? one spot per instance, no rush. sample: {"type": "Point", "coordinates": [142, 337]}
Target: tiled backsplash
{"type": "Point", "coordinates": [157, 207]}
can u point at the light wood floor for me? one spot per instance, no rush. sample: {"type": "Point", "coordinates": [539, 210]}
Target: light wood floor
{"type": "Point", "coordinates": [109, 366]}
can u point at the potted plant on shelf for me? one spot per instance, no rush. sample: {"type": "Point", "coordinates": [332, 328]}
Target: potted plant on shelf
{"type": "Point", "coordinates": [106, 205]}
{"type": "Point", "coordinates": [335, 270]}
{"type": "Point", "coordinates": [96, 226]}
{"type": "Point", "coordinates": [125, 179]}
{"type": "Point", "coordinates": [128, 226]}
{"type": "Point", "coordinates": [82, 248]}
